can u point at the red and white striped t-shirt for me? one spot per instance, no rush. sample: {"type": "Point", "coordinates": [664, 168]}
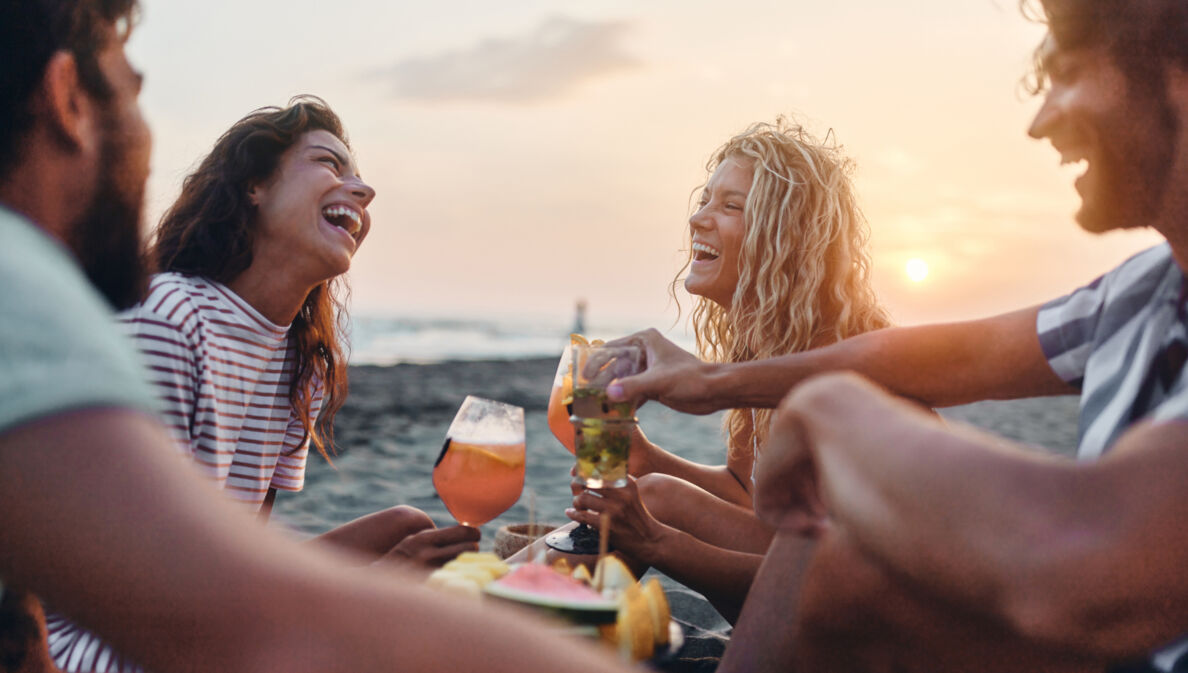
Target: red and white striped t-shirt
{"type": "Point", "coordinates": [222, 372]}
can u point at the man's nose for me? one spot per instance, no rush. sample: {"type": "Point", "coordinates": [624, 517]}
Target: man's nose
{"type": "Point", "coordinates": [1045, 118]}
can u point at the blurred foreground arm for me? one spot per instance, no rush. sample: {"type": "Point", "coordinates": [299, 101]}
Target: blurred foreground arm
{"type": "Point", "coordinates": [118, 534]}
{"type": "Point", "coordinates": [938, 365]}
{"type": "Point", "coordinates": [824, 605]}
{"type": "Point", "coordinates": [1029, 542]}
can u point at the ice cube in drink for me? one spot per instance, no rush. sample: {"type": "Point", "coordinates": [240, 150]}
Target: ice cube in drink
{"type": "Point", "coordinates": [602, 447]}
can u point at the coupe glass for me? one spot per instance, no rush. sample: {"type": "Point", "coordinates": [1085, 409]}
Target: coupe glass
{"type": "Point", "coordinates": [480, 472]}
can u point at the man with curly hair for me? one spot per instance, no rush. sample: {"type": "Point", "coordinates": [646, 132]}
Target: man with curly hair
{"type": "Point", "coordinates": [908, 545]}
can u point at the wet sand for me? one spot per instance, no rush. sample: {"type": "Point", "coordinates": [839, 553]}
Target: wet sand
{"type": "Point", "coordinates": [391, 429]}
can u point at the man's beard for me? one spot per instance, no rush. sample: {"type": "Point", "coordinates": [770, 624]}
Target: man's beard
{"type": "Point", "coordinates": [1135, 175]}
{"type": "Point", "coordinates": [106, 238]}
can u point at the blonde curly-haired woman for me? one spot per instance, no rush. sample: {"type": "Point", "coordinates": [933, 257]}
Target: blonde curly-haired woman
{"type": "Point", "coordinates": [778, 263]}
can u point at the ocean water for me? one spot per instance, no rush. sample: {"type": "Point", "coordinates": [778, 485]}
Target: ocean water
{"type": "Point", "coordinates": [390, 431]}
{"type": "Point", "coordinates": [395, 339]}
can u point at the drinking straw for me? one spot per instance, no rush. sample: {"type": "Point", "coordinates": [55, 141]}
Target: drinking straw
{"type": "Point", "coordinates": [603, 534]}
{"type": "Point", "coordinates": [540, 555]}
{"type": "Point", "coordinates": [531, 513]}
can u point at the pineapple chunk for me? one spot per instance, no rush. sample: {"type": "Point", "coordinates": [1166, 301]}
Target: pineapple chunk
{"type": "Point", "coordinates": [633, 626]}
{"type": "Point", "coordinates": [582, 574]}
{"type": "Point", "coordinates": [612, 577]}
{"type": "Point", "coordinates": [658, 606]}
{"type": "Point", "coordinates": [562, 566]}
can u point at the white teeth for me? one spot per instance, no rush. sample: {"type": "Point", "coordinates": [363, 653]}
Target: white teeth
{"type": "Point", "coordinates": [1073, 155]}
{"type": "Point", "coordinates": [351, 214]}
{"type": "Point", "coordinates": [702, 247]}
{"type": "Point", "coordinates": [1074, 165]}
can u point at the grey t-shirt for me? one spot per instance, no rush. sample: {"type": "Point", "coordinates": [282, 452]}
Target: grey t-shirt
{"type": "Point", "coordinates": [60, 348]}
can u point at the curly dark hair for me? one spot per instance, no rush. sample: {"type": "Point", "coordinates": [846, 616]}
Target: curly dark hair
{"type": "Point", "coordinates": [210, 229]}
{"type": "Point", "coordinates": [1143, 36]}
{"type": "Point", "coordinates": [31, 32]}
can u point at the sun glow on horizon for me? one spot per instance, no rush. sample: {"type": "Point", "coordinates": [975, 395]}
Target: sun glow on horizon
{"type": "Point", "coordinates": [916, 269]}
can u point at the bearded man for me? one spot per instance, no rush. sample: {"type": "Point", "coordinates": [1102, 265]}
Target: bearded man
{"type": "Point", "coordinates": [97, 512]}
{"type": "Point", "coordinates": [908, 545]}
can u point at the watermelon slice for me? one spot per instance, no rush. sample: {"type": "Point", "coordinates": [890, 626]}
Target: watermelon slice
{"type": "Point", "coordinates": [542, 587]}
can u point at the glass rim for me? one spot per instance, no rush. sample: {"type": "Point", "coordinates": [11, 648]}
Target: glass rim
{"type": "Point", "coordinates": [489, 401]}
{"type": "Point", "coordinates": [476, 409]}
{"type": "Point", "coordinates": [612, 420]}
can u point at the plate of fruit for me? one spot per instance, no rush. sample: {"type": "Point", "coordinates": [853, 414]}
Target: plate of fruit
{"type": "Point", "coordinates": [610, 605]}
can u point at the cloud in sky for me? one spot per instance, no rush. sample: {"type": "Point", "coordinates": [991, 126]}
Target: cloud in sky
{"type": "Point", "coordinates": [548, 62]}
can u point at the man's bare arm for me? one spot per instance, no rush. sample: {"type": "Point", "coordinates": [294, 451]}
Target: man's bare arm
{"type": "Point", "coordinates": [1045, 545]}
{"type": "Point", "coordinates": [937, 365]}
{"type": "Point", "coordinates": [105, 522]}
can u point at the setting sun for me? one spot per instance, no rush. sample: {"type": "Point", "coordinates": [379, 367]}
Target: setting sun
{"type": "Point", "coordinates": [916, 269]}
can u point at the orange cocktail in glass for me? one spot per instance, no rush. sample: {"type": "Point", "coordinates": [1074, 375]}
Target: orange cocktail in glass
{"type": "Point", "coordinates": [478, 482]}
{"type": "Point", "coordinates": [561, 401]}
{"type": "Point", "coordinates": [480, 472]}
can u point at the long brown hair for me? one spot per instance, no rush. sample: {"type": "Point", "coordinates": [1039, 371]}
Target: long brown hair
{"type": "Point", "coordinates": [804, 269]}
{"type": "Point", "coordinates": [210, 229]}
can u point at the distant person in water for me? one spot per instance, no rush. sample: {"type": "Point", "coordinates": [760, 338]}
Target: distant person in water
{"type": "Point", "coordinates": [242, 326]}
{"type": "Point", "coordinates": [778, 261]}
{"type": "Point", "coordinates": [579, 317]}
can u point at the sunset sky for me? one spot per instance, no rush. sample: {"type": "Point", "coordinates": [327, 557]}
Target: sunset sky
{"type": "Point", "coordinates": [528, 152]}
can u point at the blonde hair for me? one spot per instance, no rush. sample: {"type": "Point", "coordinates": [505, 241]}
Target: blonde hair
{"type": "Point", "coordinates": [804, 271]}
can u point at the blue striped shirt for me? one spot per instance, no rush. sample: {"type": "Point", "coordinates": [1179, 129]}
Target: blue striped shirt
{"type": "Point", "coordinates": [1121, 340]}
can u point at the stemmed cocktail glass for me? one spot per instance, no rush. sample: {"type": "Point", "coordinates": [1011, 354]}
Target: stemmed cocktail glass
{"type": "Point", "coordinates": [582, 539]}
{"type": "Point", "coordinates": [480, 472]}
{"type": "Point", "coordinates": [598, 431]}
{"type": "Point", "coordinates": [561, 402]}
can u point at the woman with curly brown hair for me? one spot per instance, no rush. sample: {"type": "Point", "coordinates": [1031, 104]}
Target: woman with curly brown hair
{"type": "Point", "coordinates": [242, 330]}
{"type": "Point", "coordinates": [778, 261]}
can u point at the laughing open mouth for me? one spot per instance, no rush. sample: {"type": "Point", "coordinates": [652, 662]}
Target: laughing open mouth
{"type": "Point", "coordinates": [344, 218]}
{"type": "Point", "coordinates": [1074, 161]}
{"type": "Point", "coordinates": [704, 253]}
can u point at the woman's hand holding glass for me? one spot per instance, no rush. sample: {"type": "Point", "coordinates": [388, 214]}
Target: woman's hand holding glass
{"type": "Point", "coordinates": [597, 431]}
{"type": "Point", "coordinates": [433, 547]}
{"type": "Point", "coordinates": [634, 530]}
